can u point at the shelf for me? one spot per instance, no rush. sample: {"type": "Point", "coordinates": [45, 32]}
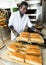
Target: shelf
{"type": "Point", "coordinates": [2, 20]}
{"type": "Point", "coordinates": [31, 14]}
{"type": "Point", "coordinates": [33, 1]}
{"type": "Point", "coordinates": [29, 11]}
{"type": "Point", "coordinates": [33, 6]}
{"type": "Point", "coordinates": [32, 9]}
{"type": "Point", "coordinates": [33, 19]}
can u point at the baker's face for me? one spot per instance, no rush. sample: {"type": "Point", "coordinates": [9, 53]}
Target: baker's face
{"type": "Point", "coordinates": [23, 9]}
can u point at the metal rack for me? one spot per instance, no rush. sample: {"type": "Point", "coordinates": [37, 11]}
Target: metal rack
{"type": "Point", "coordinates": [3, 24]}
{"type": "Point", "coordinates": [1, 34]}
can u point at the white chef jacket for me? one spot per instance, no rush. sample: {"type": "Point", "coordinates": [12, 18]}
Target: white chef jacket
{"type": "Point", "coordinates": [19, 23]}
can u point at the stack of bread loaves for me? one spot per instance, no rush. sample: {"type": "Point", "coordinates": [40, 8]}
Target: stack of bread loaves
{"type": "Point", "coordinates": [29, 54]}
{"type": "Point", "coordinates": [30, 37]}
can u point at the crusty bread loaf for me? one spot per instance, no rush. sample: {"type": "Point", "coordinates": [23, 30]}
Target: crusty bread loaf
{"type": "Point", "coordinates": [17, 56]}
{"type": "Point", "coordinates": [32, 46]}
{"type": "Point", "coordinates": [12, 48]}
{"type": "Point", "coordinates": [36, 38]}
{"type": "Point", "coordinates": [34, 35]}
{"type": "Point", "coordinates": [19, 44]}
{"type": "Point", "coordinates": [22, 51]}
{"type": "Point", "coordinates": [33, 60]}
{"type": "Point", "coordinates": [33, 51]}
{"type": "Point", "coordinates": [30, 37]}
{"type": "Point", "coordinates": [23, 48]}
{"type": "Point", "coordinates": [22, 39]}
{"type": "Point", "coordinates": [24, 34]}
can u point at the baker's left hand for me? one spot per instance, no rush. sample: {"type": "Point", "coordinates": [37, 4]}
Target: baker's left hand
{"type": "Point", "coordinates": [37, 31]}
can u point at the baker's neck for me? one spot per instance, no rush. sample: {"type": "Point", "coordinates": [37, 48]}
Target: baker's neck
{"type": "Point", "coordinates": [21, 14]}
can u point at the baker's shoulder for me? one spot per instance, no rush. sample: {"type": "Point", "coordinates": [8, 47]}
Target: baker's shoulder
{"type": "Point", "coordinates": [15, 13]}
{"type": "Point", "coordinates": [26, 15]}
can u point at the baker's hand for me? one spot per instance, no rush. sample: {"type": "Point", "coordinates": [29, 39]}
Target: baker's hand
{"type": "Point", "coordinates": [37, 31]}
{"type": "Point", "coordinates": [15, 33]}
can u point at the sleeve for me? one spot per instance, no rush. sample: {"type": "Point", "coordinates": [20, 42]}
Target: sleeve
{"type": "Point", "coordinates": [11, 20]}
{"type": "Point", "coordinates": [29, 24]}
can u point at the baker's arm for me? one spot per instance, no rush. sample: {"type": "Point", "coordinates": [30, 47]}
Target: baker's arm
{"type": "Point", "coordinates": [12, 29]}
{"type": "Point", "coordinates": [11, 24]}
{"type": "Point", "coordinates": [34, 29]}
{"type": "Point", "coordinates": [30, 25]}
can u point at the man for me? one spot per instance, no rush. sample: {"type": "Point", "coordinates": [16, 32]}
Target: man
{"type": "Point", "coordinates": [19, 20]}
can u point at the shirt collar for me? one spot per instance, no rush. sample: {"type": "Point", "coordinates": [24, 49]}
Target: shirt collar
{"type": "Point", "coordinates": [20, 14]}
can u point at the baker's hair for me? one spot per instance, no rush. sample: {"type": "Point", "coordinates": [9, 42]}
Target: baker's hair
{"type": "Point", "coordinates": [23, 3]}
